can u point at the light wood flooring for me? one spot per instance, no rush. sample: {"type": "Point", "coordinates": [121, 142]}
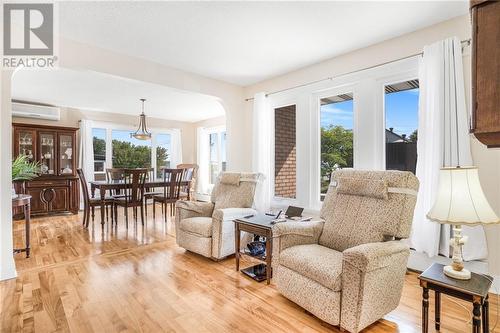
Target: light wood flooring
{"type": "Point", "coordinates": [138, 280]}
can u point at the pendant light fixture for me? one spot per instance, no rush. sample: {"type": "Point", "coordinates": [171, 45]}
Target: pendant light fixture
{"type": "Point", "coordinates": [142, 132]}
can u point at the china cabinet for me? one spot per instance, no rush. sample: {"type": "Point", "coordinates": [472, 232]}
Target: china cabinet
{"type": "Point", "coordinates": [486, 71]}
{"type": "Point", "coordinates": [56, 191]}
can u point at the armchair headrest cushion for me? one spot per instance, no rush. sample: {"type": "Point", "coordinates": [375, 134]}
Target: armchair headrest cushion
{"type": "Point", "coordinates": [365, 187]}
{"type": "Point", "coordinates": [234, 190]}
{"type": "Point", "coordinates": [230, 178]}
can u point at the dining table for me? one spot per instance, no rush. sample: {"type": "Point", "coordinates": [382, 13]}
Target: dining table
{"type": "Point", "coordinates": [119, 185]}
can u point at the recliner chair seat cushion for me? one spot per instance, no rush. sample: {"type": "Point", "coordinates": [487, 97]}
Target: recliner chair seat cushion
{"type": "Point", "coordinates": [316, 262]}
{"type": "Point", "coordinates": [197, 225]}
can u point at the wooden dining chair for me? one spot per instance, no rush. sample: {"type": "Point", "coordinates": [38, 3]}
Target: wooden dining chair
{"type": "Point", "coordinates": [115, 174]}
{"type": "Point", "coordinates": [190, 175]}
{"type": "Point", "coordinates": [172, 181]}
{"type": "Point", "coordinates": [134, 193]}
{"type": "Point", "coordinates": [150, 192]}
{"type": "Point", "coordinates": [90, 203]}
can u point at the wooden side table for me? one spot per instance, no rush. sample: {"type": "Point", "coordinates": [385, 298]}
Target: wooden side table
{"type": "Point", "coordinates": [474, 290]}
{"type": "Point", "coordinates": [24, 200]}
{"type": "Point", "coordinates": [260, 225]}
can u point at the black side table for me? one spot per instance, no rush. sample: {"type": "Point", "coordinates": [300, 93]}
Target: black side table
{"type": "Point", "coordinates": [474, 290]}
{"type": "Point", "coordinates": [261, 225]}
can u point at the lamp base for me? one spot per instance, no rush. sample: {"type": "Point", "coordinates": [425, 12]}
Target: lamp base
{"type": "Point", "coordinates": [459, 275]}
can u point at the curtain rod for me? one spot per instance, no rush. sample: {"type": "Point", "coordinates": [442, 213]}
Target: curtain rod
{"type": "Point", "coordinates": [465, 42]}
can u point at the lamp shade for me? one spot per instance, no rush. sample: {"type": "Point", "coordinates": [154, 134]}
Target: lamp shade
{"type": "Point", "coordinates": [460, 199]}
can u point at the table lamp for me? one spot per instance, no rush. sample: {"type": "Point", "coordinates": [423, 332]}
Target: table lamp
{"type": "Point", "coordinates": [460, 201]}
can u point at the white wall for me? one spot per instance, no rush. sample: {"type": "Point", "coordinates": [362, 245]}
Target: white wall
{"type": "Point", "coordinates": [7, 267]}
{"type": "Point", "coordinates": [488, 160]}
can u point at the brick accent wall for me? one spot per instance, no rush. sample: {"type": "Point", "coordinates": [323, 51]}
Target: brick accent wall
{"type": "Point", "coordinates": [285, 158]}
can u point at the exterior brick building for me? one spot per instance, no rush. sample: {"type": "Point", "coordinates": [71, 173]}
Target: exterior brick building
{"type": "Point", "coordinates": [285, 158]}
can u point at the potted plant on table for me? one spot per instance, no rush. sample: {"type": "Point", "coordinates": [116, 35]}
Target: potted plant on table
{"type": "Point", "coordinates": [22, 170]}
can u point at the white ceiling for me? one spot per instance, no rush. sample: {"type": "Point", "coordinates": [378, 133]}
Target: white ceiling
{"type": "Point", "coordinates": [101, 92]}
{"type": "Point", "coordinates": [245, 42]}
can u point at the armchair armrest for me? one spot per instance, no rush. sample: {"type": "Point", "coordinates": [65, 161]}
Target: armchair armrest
{"type": "Point", "coordinates": [223, 230]}
{"type": "Point", "coordinates": [370, 256]}
{"type": "Point", "coordinates": [373, 275]}
{"type": "Point", "coordinates": [187, 209]}
{"type": "Point", "coordinates": [230, 214]}
{"type": "Point", "coordinates": [288, 234]}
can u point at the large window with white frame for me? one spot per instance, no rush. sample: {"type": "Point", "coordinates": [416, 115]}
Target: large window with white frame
{"type": "Point", "coordinates": [216, 153]}
{"type": "Point", "coordinates": [337, 136]}
{"type": "Point", "coordinates": [163, 144]}
{"type": "Point", "coordinates": [99, 145]}
{"type": "Point", "coordinates": [341, 123]}
{"type": "Point", "coordinates": [115, 148]}
{"type": "Point", "coordinates": [401, 125]}
{"type": "Point", "coordinates": [129, 152]}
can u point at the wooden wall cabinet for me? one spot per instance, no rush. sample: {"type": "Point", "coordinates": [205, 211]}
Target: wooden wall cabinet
{"type": "Point", "coordinates": [486, 71]}
{"type": "Point", "coordinates": [56, 191]}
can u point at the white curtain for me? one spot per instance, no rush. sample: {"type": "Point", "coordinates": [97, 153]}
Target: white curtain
{"type": "Point", "coordinates": [86, 152]}
{"type": "Point", "coordinates": [176, 148]}
{"type": "Point", "coordinates": [261, 150]}
{"type": "Point", "coordinates": [202, 147]}
{"type": "Point", "coordinates": [443, 140]}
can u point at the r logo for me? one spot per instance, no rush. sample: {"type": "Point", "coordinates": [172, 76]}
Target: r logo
{"type": "Point", "coordinates": [28, 29]}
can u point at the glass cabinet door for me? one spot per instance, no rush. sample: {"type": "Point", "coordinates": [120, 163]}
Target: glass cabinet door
{"type": "Point", "coordinates": [26, 143]}
{"type": "Point", "coordinates": [66, 153]}
{"type": "Point", "coordinates": [47, 153]}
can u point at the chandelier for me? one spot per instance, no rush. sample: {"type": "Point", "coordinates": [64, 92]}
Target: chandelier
{"type": "Point", "coordinates": [142, 132]}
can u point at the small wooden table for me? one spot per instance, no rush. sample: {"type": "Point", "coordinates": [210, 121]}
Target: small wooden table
{"type": "Point", "coordinates": [24, 200]}
{"type": "Point", "coordinates": [260, 225]}
{"type": "Point", "coordinates": [474, 290]}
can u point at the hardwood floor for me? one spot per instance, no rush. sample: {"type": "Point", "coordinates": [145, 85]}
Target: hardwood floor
{"type": "Point", "coordinates": [138, 280]}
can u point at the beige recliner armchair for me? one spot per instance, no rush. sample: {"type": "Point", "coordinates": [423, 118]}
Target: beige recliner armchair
{"type": "Point", "coordinates": [207, 228]}
{"type": "Point", "coordinates": [349, 270]}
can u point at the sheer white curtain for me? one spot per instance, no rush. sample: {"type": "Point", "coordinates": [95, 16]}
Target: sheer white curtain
{"type": "Point", "coordinates": [86, 155]}
{"type": "Point", "coordinates": [86, 152]}
{"type": "Point", "coordinates": [202, 147]}
{"type": "Point", "coordinates": [176, 147]}
{"type": "Point", "coordinates": [261, 150]}
{"type": "Point", "coordinates": [443, 140]}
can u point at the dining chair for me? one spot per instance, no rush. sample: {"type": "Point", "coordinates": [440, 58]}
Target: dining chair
{"type": "Point", "coordinates": [90, 203]}
{"type": "Point", "coordinates": [115, 174]}
{"type": "Point", "coordinates": [134, 180]}
{"type": "Point", "coordinates": [172, 181]}
{"type": "Point", "coordinates": [150, 192]}
{"type": "Point", "coordinates": [190, 175]}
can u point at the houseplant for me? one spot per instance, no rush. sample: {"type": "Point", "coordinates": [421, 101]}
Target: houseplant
{"type": "Point", "coordinates": [23, 169]}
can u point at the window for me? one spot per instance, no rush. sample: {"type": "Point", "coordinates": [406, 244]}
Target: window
{"type": "Point", "coordinates": [99, 143]}
{"type": "Point", "coordinates": [129, 152]}
{"type": "Point", "coordinates": [223, 151]}
{"type": "Point", "coordinates": [214, 158]}
{"type": "Point", "coordinates": [285, 156]}
{"type": "Point", "coordinates": [115, 148]}
{"type": "Point", "coordinates": [337, 122]}
{"type": "Point", "coordinates": [401, 124]}
{"type": "Point", "coordinates": [163, 149]}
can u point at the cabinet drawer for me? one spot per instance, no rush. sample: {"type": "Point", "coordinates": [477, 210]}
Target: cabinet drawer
{"type": "Point", "coordinates": [47, 183]}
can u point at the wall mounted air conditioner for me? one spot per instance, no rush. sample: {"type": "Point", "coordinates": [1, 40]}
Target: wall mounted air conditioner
{"type": "Point", "coordinates": [26, 110]}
